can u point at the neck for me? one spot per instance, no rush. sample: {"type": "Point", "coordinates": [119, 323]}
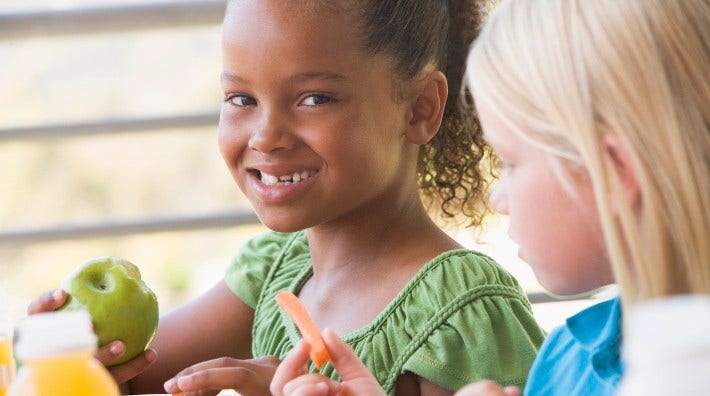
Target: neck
{"type": "Point", "coordinates": [361, 243]}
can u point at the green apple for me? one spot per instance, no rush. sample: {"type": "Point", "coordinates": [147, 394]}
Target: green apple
{"type": "Point", "coordinates": [121, 306]}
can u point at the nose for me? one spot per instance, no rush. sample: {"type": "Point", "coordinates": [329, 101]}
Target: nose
{"type": "Point", "coordinates": [497, 199]}
{"type": "Point", "coordinates": [271, 132]}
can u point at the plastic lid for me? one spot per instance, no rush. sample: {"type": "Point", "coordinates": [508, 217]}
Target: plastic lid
{"type": "Point", "coordinates": [54, 333]}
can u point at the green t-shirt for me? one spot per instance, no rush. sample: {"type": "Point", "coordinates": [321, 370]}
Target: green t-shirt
{"type": "Point", "coordinates": [461, 319]}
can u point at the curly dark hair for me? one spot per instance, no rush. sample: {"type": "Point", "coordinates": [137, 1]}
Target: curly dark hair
{"type": "Point", "coordinates": [453, 172]}
{"type": "Point", "coordinates": [454, 167]}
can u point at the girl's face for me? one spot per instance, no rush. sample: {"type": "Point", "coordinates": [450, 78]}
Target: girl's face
{"type": "Point", "coordinates": [310, 128]}
{"type": "Point", "coordinates": [558, 232]}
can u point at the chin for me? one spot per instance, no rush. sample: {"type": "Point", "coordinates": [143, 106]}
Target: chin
{"type": "Point", "coordinates": [563, 288]}
{"type": "Point", "coordinates": [281, 223]}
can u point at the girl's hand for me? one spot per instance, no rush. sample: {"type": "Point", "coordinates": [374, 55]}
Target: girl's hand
{"type": "Point", "coordinates": [487, 388]}
{"type": "Point", "coordinates": [292, 379]}
{"type": "Point", "coordinates": [53, 300]}
{"type": "Point", "coordinates": [247, 377]}
{"type": "Point", "coordinates": [125, 371]}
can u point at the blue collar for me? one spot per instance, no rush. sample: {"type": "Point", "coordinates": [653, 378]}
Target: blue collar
{"type": "Point", "coordinates": [598, 330]}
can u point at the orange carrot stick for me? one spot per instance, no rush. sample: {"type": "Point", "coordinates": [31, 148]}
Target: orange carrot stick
{"type": "Point", "coordinates": [293, 307]}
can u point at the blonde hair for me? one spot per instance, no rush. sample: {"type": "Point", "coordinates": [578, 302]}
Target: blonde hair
{"type": "Point", "coordinates": [564, 73]}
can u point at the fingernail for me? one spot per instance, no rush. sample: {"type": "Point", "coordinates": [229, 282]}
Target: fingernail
{"type": "Point", "coordinates": [151, 355]}
{"type": "Point", "coordinates": [184, 382]}
{"type": "Point", "coordinates": [57, 294]}
{"type": "Point", "coordinates": [116, 348]}
{"type": "Point", "coordinates": [169, 384]}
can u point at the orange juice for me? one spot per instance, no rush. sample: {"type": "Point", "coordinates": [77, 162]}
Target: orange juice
{"type": "Point", "coordinates": [7, 363]}
{"type": "Point", "coordinates": [56, 350]}
{"type": "Point", "coordinates": [74, 374]}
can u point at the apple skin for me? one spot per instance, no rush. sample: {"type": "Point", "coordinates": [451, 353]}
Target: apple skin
{"type": "Point", "coordinates": [121, 306]}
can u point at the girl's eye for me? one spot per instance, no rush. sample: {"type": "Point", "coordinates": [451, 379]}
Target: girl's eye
{"type": "Point", "coordinates": [316, 99]}
{"type": "Point", "coordinates": [240, 100]}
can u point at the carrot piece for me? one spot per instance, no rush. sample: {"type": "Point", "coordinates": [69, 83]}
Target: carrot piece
{"type": "Point", "coordinates": [293, 307]}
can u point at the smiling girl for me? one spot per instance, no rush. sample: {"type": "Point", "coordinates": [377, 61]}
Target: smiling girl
{"type": "Point", "coordinates": [342, 124]}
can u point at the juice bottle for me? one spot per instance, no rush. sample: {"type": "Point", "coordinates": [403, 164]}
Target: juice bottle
{"type": "Point", "coordinates": [7, 363]}
{"type": "Point", "coordinates": [56, 350]}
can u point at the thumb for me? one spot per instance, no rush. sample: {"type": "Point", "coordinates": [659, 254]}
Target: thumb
{"type": "Point", "coordinates": [293, 365]}
{"type": "Point", "coordinates": [345, 361]}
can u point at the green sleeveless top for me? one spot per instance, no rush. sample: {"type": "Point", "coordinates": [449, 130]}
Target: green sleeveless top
{"type": "Point", "coordinates": [461, 319]}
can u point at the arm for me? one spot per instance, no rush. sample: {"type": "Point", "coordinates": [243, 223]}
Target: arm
{"type": "Point", "coordinates": [217, 324]}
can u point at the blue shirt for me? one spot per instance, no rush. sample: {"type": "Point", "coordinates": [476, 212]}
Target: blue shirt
{"type": "Point", "coordinates": [582, 356]}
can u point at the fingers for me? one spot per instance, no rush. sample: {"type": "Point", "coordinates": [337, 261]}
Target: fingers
{"type": "Point", "coordinates": [110, 352]}
{"type": "Point", "coordinates": [313, 385]}
{"type": "Point", "coordinates": [245, 376]}
{"type": "Point", "coordinates": [210, 379]}
{"type": "Point", "coordinates": [345, 361]}
{"type": "Point", "coordinates": [318, 389]}
{"type": "Point", "coordinates": [487, 388]}
{"type": "Point", "coordinates": [124, 372]}
{"type": "Point", "coordinates": [291, 367]}
{"type": "Point", "coordinates": [238, 378]}
{"type": "Point", "coordinates": [47, 302]}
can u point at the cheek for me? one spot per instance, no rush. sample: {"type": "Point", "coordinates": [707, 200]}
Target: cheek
{"type": "Point", "coordinates": [229, 139]}
{"type": "Point", "coordinates": [561, 240]}
{"type": "Point", "coordinates": [533, 204]}
{"type": "Point", "coordinates": [534, 214]}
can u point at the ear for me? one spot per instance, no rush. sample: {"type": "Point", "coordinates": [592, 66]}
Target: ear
{"type": "Point", "coordinates": [428, 103]}
{"type": "Point", "coordinates": [618, 151]}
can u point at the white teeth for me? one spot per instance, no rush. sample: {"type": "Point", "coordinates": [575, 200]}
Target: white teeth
{"type": "Point", "coordinates": [296, 177]}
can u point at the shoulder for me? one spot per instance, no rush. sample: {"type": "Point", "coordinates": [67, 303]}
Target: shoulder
{"type": "Point", "coordinates": [465, 313]}
{"type": "Point", "coordinates": [589, 330]}
{"type": "Point", "coordinates": [467, 272]}
{"type": "Point", "coordinates": [257, 259]}
{"type": "Point", "coordinates": [581, 354]}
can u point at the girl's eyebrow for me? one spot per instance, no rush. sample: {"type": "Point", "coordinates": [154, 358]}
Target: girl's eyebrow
{"type": "Point", "coordinates": [301, 77]}
{"type": "Point", "coordinates": [224, 77]}
{"type": "Point", "coordinates": [316, 75]}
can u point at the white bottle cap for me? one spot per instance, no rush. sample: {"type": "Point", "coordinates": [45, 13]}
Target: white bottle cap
{"type": "Point", "coordinates": [54, 333]}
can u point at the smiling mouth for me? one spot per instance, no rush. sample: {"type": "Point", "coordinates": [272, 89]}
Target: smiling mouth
{"type": "Point", "coordinates": [283, 180]}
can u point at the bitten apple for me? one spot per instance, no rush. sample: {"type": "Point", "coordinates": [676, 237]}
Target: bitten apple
{"type": "Point", "coordinates": [121, 306]}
